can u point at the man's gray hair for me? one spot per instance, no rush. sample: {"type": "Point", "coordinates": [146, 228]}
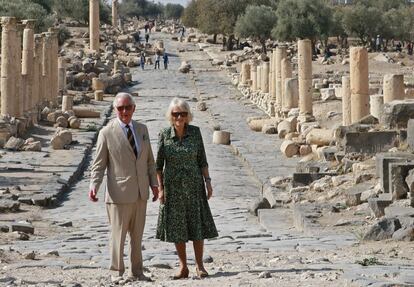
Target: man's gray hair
{"type": "Point", "coordinates": [123, 95]}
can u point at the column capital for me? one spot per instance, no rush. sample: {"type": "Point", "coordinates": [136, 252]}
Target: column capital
{"type": "Point", "coordinates": [30, 23]}
{"type": "Point", "coordinates": [8, 22]}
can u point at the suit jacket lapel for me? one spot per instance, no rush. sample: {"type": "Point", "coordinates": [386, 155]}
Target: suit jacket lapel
{"type": "Point", "coordinates": [119, 133]}
{"type": "Point", "coordinates": [139, 134]}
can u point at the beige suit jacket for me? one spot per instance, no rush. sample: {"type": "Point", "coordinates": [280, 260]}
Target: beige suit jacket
{"type": "Point", "coordinates": [128, 177]}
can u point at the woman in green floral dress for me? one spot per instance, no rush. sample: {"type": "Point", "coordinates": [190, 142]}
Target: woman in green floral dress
{"type": "Point", "coordinates": [183, 179]}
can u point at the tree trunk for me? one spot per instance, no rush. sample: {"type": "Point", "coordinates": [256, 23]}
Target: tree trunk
{"type": "Point", "coordinates": [230, 43]}
{"type": "Point", "coordinates": [263, 42]}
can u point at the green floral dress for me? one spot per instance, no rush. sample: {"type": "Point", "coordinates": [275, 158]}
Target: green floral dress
{"type": "Point", "coordinates": [186, 214]}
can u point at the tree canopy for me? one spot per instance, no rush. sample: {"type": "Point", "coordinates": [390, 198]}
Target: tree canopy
{"type": "Point", "coordinates": [256, 22]}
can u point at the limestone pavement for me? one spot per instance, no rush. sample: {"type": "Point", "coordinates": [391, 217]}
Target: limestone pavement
{"type": "Point", "coordinates": [246, 253]}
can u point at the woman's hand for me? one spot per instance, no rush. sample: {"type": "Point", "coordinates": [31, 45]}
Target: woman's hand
{"type": "Point", "coordinates": [209, 189]}
{"type": "Point", "coordinates": [161, 196]}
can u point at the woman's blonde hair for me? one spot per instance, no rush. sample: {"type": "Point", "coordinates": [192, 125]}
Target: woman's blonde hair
{"type": "Point", "coordinates": [182, 105]}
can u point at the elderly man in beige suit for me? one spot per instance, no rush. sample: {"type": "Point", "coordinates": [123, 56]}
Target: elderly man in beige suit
{"type": "Point", "coordinates": [124, 151]}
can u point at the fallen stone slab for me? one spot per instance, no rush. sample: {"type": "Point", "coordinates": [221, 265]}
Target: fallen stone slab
{"type": "Point", "coordinates": [378, 205]}
{"type": "Point", "coordinates": [82, 112]}
{"type": "Point", "coordinates": [383, 229]}
{"type": "Point", "coordinates": [7, 205]}
{"type": "Point", "coordinates": [42, 200]}
{"type": "Point", "coordinates": [302, 178]}
{"type": "Point", "coordinates": [23, 227]}
{"type": "Point", "coordinates": [4, 228]}
{"type": "Point", "coordinates": [404, 234]}
{"type": "Point", "coordinates": [370, 142]}
{"type": "Point", "coordinates": [397, 113]}
{"type": "Point", "coordinates": [14, 144]}
{"type": "Point", "coordinates": [305, 218]}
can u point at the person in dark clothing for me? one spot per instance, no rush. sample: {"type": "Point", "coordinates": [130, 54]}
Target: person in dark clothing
{"type": "Point", "coordinates": [165, 58]}
{"type": "Point", "coordinates": [146, 37]}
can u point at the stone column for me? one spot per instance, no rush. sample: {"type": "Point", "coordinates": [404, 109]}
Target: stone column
{"type": "Point", "coordinates": [61, 75]}
{"type": "Point", "coordinates": [291, 92]}
{"type": "Point", "coordinates": [346, 101]}
{"type": "Point", "coordinates": [393, 87]}
{"type": "Point", "coordinates": [359, 83]}
{"type": "Point", "coordinates": [245, 73]}
{"type": "Point", "coordinates": [376, 104]}
{"type": "Point", "coordinates": [265, 77]}
{"type": "Point", "coordinates": [67, 103]}
{"type": "Point", "coordinates": [305, 77]}
{"type": "Point", "coordinates": [18, 80]}
{"type": "Point", "coordinates": [253, 76]}
{"type": "Point", "coordinates": [115, 13]}
{"type": "Point", "coordinates": [94, 25]}
{"type": "Point", "coordinates": [259, 77]}
{"type": "Point", "coordinates": [273, 76]}
{"type": "Point", "coordinates": [286, 70]}
{"type": "Point", "coordinates": [38, 74]}
{"type": "Point", "coordinates": [28, 67]}
{"type": "Point", "coordinates": [54, 55]}
{"type": "Point", "coordinates": [9, 63]}
{"type": "Point", "coordinates": [281, 53]}
{"type": "Point", "coordinates": [47, 67]}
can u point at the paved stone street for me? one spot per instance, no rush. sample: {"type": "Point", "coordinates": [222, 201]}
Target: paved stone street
{"type": "Point", "coordinates": [247, 252]}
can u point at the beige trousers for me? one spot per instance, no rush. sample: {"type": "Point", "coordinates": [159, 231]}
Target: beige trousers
{"type": "Point", "coordinates": [127, 218]}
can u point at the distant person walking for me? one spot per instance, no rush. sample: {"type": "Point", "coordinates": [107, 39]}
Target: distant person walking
{"type": "Point", "coordinates": [157, 60]}
{"type": "Point", "coordinates": [146, 37]}
{"type": "Point", "coordinates": [182, 31]}
{"type": "Point", "coordinates": [165, 58]}
{"type": "Point", "coordinates": [142, 60]}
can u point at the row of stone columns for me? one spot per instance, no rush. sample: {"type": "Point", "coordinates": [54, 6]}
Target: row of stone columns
{"type": "Point", "coordinates": [29, 76]}
{"type": "Point", "coordinates": [275, 79]}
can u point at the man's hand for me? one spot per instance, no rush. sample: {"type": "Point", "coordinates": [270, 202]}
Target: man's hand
{"type": "Point", "coordinates": [161, 196]}
{"type": "Point", "coordinates": [92, 195]}
{"type": "Point", "coordinates": [155, 193]}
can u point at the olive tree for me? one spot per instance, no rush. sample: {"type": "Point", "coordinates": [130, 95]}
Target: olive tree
{"type": "Point", "coordinates": [304, 19]}
{"type": "Point", "coordinates": [257, 22]}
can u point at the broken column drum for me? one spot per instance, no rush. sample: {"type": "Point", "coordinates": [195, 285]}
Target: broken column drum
{"type": "Point", "coordinates": [28, 67]}
{"type": "Point", "coordinates": [376, 104]}
{"type": "Point", "coordinates": [393, 88]}
{"type": "Point", "coordinates": [291, 93]}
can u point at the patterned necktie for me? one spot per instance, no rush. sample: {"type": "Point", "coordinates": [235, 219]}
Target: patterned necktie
{"type": "Point", "coordinates": [131, 140]}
